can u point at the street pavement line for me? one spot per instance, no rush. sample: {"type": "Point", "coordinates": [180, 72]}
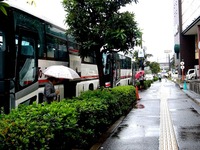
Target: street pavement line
{"type": "Point", "coordinates": [167, 139]}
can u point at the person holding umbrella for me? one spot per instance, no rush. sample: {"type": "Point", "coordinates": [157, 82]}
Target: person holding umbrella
{"type": "Point", "coordinates": [141, 79]}
{"type": "Point", "coordinates": [55, 74]}
{"type": "Point", "coordinates": [50, 94]}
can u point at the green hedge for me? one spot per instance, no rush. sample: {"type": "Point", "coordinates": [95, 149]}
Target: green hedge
{"type": "Point", "coordinates": [147, 83]}
{"type": "Point", "coordinates": [71, 123]}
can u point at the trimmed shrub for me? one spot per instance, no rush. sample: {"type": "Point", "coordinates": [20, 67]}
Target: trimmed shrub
{"type": "Point", "coordinates": [147, 84]}
{"type": "Point", "coordinates": [68, 124]}
{"type": "Point", "coordinates": [38, 127]}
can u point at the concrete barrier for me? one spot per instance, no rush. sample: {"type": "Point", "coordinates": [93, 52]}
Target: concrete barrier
{"type": "Point", "coordinates": [194, 85]}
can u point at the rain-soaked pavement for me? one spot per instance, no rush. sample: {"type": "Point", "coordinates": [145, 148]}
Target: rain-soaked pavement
{"type": "Point", "coordinates": [169, 120]}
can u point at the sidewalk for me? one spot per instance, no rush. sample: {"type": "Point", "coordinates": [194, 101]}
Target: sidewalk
{"type": "Point", "coordinates": [178, 123]}
{"type": "Point", "coordinates": [191, 94]}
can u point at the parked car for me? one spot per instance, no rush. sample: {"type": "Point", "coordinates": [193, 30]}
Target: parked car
{"type": "Point", "coordinates": [165, 75]}
{"type": "Point", "coordinates": [174, 75]}
{"type": "Point", "coordinates": [148, 77]}
{"type": "Point", "coordinates": [192, 73]}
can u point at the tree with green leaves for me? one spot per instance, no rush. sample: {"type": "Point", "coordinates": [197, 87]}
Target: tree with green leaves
{"type": "Point", "coordinates": [146, 63]}
{"type": "Point", "coordinates": [2, 7]}
{"type": "Point", "coordinates": [98, 25]}
{"type": "Point", "coordinates": [155, 67]}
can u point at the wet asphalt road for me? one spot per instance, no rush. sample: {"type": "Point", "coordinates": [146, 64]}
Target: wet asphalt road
{"type": "Point", "coordinates": [140, 129]}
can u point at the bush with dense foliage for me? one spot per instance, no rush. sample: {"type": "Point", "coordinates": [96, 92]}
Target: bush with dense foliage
{"type": "Point", "coordinates": [147, 83]}
{"type": "Point", "coordinates": [70, 123]}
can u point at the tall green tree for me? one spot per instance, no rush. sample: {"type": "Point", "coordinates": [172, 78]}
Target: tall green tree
{"type": "Point", "coordinates": [99, 25]}
{"type": "Point", "coordinates": [155, 67]}
{"type": "Point", "coordinates": [2, 7]}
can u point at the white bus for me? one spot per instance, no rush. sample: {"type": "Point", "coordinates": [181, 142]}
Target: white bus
{"type": "Point", "coordinates": [29, 43]}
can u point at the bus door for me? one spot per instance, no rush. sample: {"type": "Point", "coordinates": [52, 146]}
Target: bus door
{"type": "Point", "coordinates": [26, 83]}
{"type": "Point", "coordinates": [111, 68]}
{"type": "Point", "coordinates": [116, 69]}
{"type": "Point", "coordinates": [106, 60]}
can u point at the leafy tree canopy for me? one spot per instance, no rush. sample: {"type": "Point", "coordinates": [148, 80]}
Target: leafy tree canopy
{"type": "Point", "coordinates": [155, 67]}
{"type": "Point", "coordinates": [2, 7]}
{"type": "Point", "coordinates": [98, 24]}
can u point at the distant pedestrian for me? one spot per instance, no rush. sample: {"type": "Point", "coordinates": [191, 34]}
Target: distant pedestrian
{"type": "Point", "coordinates": [166, 78]}
{"type": "Point", "coordinates": [141, 79]}
{"type": "Point", "coordinates": [159, 77]}
{"type": "Point", "coordinates": [50, 94]}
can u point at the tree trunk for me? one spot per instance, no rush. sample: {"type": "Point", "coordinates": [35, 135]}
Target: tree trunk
{"type": "Point", "coordinates": [100, 67]}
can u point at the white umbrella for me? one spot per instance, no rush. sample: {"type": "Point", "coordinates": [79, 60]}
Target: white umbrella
{"type": "Point", "coordinates": [60, 71]}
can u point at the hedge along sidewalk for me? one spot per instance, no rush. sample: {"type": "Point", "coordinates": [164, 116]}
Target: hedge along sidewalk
{"type": "Point", "coordinates": [71, 123]}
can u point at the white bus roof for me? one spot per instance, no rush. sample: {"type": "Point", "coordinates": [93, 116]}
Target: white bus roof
{"type": "Point", "coordinates": [32, 11]}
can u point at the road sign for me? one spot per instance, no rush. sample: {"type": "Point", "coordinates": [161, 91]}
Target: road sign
{"type": "Point", "coordinates": [167, 51]}
{"type": "Point", "coordinates": [182, 67]}
{"type": "Point", "coordinates": [182, 63]}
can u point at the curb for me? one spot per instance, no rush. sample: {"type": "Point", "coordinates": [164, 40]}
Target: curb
{"type": "Point", "coordinates": [193, 96]}
{"type": "Point", "coordinates": [105, 135]}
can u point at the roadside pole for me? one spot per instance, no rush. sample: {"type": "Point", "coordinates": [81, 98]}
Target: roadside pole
{"type": "Point", "coordinates": [182, 68]}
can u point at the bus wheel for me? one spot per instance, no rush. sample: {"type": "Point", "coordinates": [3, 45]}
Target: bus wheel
{"type": "Point", "coordinates": [91, 87]}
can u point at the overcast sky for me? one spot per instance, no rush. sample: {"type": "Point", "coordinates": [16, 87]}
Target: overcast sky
{"type": "Point", "coordinates": [154, 17]}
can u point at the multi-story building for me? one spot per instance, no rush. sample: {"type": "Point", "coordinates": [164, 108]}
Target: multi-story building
{"type": "Point", "coordinates": [186, 33]}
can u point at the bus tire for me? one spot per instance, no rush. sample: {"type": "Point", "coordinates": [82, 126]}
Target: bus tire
{"type": "Point", "coordinates": [91, 87]}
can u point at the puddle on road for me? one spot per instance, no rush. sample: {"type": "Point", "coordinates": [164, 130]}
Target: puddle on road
{"type": "Point", "coordinates": [119, 129]}
{"type": "Point", "coordinates": [189, 133]}
{"type": "Point", "coordinates": [191, 109]}
{"type": "Point", "coordinates": [194, 111]}
{"type": "Point", "coordinates": [139, 106]}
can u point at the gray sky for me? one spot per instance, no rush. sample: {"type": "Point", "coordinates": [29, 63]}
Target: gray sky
{"type": "Point", "coordinates": [154, 17]}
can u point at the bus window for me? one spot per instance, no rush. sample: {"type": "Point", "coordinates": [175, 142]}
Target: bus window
{"type": "Point", "coordinates": [27, 62]}
{"type": "Point", "coordinates": [56, 48]}
{"type": "Point", "coordinates": [62, 50]}
{"type": "Point", "coordinates": [73, 48]}
{"type": "Point", "coordinates": [50, 50]}
{"type": "Point", "coordinates": [125, 62]}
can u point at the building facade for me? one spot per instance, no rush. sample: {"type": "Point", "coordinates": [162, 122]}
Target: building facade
{"type": "Point", "coordinates": [186, 33]}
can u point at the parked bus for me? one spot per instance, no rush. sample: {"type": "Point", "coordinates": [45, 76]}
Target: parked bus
{"type": "Point", "coordinates": [117, 68]}
{"type": "Point", "coordinates": [29, 43]}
